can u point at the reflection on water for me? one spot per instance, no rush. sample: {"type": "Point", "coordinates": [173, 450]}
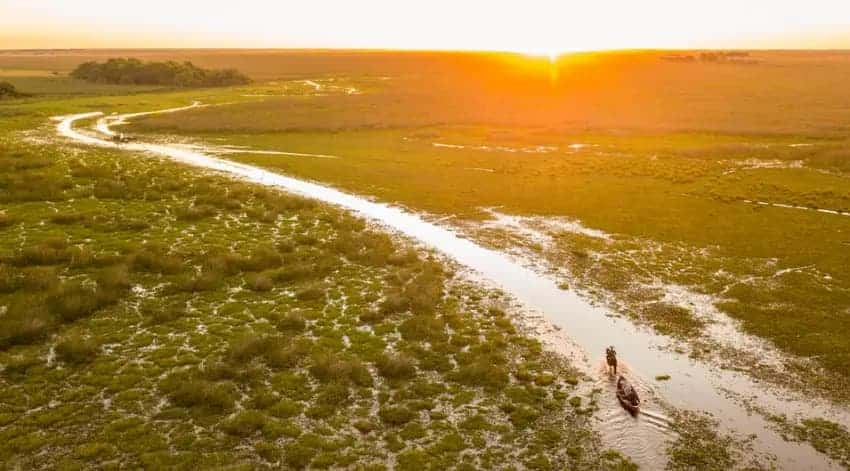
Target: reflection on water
{"type": "Point", "coordinates": [693, 385]}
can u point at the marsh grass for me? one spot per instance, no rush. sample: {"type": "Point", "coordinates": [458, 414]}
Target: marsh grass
{"type": "Point", "coordinates": [673, 320]}
{"type": "Point", "coordinates": [195, 212]}
{"type": "Point", "coordinates": [699, 445]}
{"type": "Point", "coordinates": [328, 367]}
{"type": "Point", "coordinates": [115, 277]}
{"type": "Point", "coordinates": [264, 257]}
{"type": "Point", "coordinates": [244, 423]}
{"type": "Point", "coordinates": [162, 360]}
{"type": "Point", "coordinates": [331, 399]}
{"type": "Point", "coordinates": [259, 282]}
{"type": "Point", "coordinates": [250, 346]}
{"type": "Point", "coordinates": [6, 220]}
{"type": "Point", "coordinates": [825, 436]}
{"type": "Point", "coordinates": [481, 373]}
{"type": "Point", "coordinates": [73, 300]}
{"type": "Point", "coordinates": [311, 292]}
{"type": "Point", "coordinates": [159, 314]}
{"type": "Point", "coordinates": [68, 218]}
{"type": "Point", "coordinates": [110, 190]}
{"type": "Point", "coordinates": [395, 416]}
{"type": "Point", "coordinates": [9, 279]}
{"type": "Point", "coordinates": [76, 348]}
{"type": "Point", "coordinates": [31, 186]}
{"type": "Point", "coordinates": [292, 323]}
{"type": "Point", "coordinates": [288, 355]}
{"type": "Point", "coordinates": [214, 397]}
{"type": "Point", "coordinates": [396, 367]}
{"type": "Point", "coordinates": [423, 327]}
{"type": "Point", "coordinates": [205, 280]}
{"type": "Point", "coordinates": [52, 251]}
{"type": "Point", "coordinates": [156, 259]}
{"type": "Point", "coordinates": [26, 320]}
{"type": "Point", "coordinates": [699, 178]}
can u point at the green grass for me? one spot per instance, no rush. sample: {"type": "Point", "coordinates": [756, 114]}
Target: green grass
{"type": "Point", "coordinates": [824, 435]}
{"type": "Point", "coordinates": [77, 349]}
{"type": "Point", "coordinates": [149, 318]}
{"type": "Point", "coordinates": [64, 86]}
{"type": "Point", "coordinates": [396, 367]}
{"type": "Point", "coordinates": [220, 339]}
{"type": "Point", "coordinates": [225, 324]}
{"type": "Point", "coordinates": [699, 445]}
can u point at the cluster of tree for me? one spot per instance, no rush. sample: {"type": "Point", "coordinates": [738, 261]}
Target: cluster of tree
{"type": "Point", "coordinates": [737, 57]}
{"type": "Point", "coordinates": [718, 56]}
{"type": "Point", "coordinates": [7, 90]}
{"type": "Point", "coordinates": [173, 74]}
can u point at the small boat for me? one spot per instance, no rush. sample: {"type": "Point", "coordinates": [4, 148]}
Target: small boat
{"type": "Point", "coordinates": [627, 395]}
{"type": "Point", "coordinates": [122, 139]}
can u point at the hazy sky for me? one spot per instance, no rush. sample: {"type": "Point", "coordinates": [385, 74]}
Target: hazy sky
{"type": "Point", "coordinates": [529, 25]}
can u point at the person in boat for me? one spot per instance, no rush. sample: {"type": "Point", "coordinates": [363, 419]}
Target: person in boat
{"type": "Point", "coordinates": [627, 391]}
{"type": "Point", "coordinates": [120, 138]}
{"type": "Point", "coordinates": [611, 359]}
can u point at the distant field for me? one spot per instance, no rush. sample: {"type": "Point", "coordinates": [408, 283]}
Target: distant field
{"type": "Point", "coordinates": [6, 73]}
{"type": "Point", "coordinates": [633, 90]}
{"type": "Point", "coordinates": [46, 85]}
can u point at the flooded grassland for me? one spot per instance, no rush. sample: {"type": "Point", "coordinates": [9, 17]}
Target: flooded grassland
{"type": "Point", "coordinates": [715, 261]}
{"type": "Point", "coordinates": [155, 315]}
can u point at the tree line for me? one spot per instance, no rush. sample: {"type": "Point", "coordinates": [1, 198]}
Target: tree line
{"type": "Point", "coordinates": [170, 73]}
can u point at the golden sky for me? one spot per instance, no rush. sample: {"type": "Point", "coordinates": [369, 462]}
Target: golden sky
{"type": "Point", "coordinates": [538, 26]}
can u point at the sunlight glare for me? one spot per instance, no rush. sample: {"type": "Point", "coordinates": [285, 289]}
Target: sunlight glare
{"type": "Point", "coordinates": [548, 53]}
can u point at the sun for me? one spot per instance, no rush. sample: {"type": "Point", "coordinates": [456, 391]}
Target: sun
{"type": "Point", "coordinates": [549, 53]}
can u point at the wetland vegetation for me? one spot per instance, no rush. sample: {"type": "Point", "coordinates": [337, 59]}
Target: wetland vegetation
{"type": "Point", "coordinates": [156, 316]}
{"type": "Point", "coordinates": [153, 316]}
{"type": "Point", "coordinates": [680, 204]}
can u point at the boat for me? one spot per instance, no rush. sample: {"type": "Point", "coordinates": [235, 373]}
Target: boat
{"type": "Point", "coordinates": [122, 139]}
{"type": "Point", "coordinates": [627, 395]}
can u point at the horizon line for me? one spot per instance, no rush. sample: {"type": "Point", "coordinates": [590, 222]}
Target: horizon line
{"type": "Point", "coordinates": [425, 50]}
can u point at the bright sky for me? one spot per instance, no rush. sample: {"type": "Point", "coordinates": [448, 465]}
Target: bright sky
{"type": "Point", "coordinates": [541, 26]}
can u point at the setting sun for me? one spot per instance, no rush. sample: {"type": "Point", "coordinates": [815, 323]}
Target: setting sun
{"type": "Point", "coordinates": [550, 54]}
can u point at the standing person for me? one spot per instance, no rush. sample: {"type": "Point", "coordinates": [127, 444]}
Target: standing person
{"type": "Point", "coordinates": [611, 359]}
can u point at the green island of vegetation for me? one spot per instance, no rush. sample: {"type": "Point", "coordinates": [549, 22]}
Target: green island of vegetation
{"type": "Point", "coordinates": [168, 73]}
